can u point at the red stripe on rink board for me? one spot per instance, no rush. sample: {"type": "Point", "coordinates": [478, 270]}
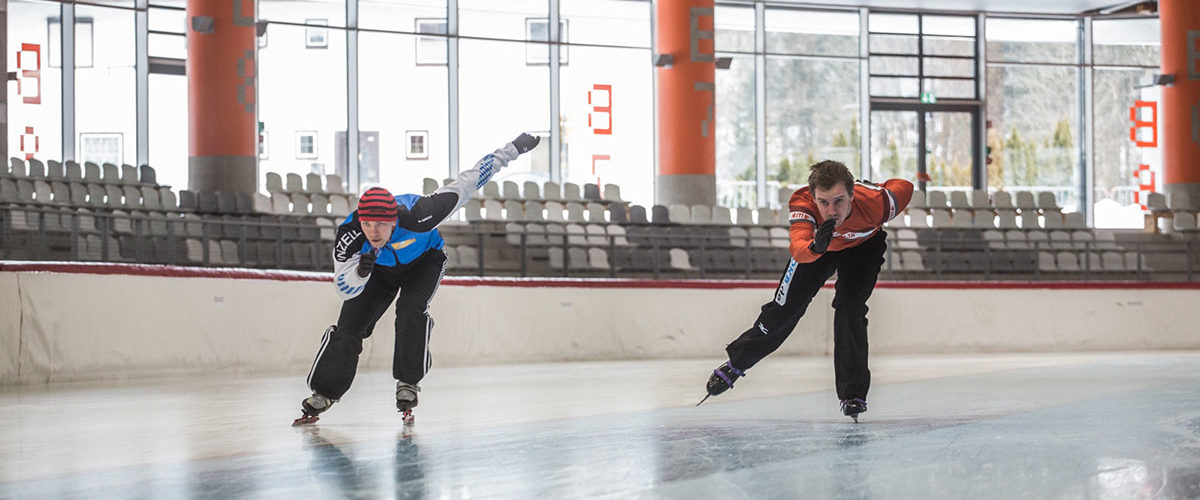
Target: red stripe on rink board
{"type": "Point", "coordinates": [277, 275]}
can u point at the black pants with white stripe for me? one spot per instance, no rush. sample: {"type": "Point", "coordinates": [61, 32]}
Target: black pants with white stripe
{"type": "Point", "coordinates": [858, 269]}
{"type": "Point", "coordinates": [337, 360]}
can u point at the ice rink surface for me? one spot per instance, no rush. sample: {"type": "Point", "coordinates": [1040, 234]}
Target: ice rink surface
{"type": "Point", "coordinates": [1105, 425]}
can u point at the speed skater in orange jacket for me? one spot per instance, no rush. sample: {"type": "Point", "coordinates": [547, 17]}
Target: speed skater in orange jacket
{"type": "Point", "coordinates": [836, 226]}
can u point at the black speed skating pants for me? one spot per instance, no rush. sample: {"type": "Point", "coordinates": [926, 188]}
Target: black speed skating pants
{"type": "Point", "coordinates": [337, 360]}
{"type": "Point", "coordinates": [858, 269]}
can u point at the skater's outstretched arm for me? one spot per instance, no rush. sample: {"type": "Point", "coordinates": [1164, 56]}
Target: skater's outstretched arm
{"type": "Point", "coordinates": [430, 211]}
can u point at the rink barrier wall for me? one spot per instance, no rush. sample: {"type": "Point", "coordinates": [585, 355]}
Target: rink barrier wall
{"type": "Point", "coordinates": [77, 321]}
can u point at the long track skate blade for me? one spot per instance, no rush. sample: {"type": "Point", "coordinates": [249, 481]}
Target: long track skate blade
{"type": "Point", "coordinates": [855, 417]}
{"type": "Point", "coordinates": [305, 420]}
{"type": "Point", "coordinates": [706, 396]}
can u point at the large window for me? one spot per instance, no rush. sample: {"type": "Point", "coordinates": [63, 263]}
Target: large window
{"type": "Point", "coordinates": [500, 97]}
{"type": "Point", "coordinates": [812, 115]}
{"type": "Point", "coordinates": [1126, 42]}
{"type": "Point", "coordinates": [922, 56]}
{"type": "Point", "coordinates": [1033, 40]}
{"type": "Point", "coordinates": [1125, 169]}
{"type": "Point", "coordinates": [734, 29]}
{"type": "Point", "coordinates": [736, 140]}
{"type": "Point", "coordinates": [737, 170]}
{"type": "Point", "coordinates": [1033, 107]}
{"type": "Point", "coordinates": [791, 31]}
{"type": "Point", "coordinates": [169, 129]}
{"type": "Point", "coordinates": [812, 102]}
{"type": "Point", "coordinates": [809, 96]}
{"type": "Point", "coordinates": [105, 103]}
{"type": "Point", "coordinates": [399, 97]}
{"type": "Point", "coordinates": [606, 98]}
{"type": "Point", "coordinates": [35, 99]}
{"type": "Point", "coordinates": [299, 100]}
{"type": "Point", "coordinates": [607, 108]}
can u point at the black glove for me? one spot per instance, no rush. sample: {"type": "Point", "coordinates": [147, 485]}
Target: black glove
{"type": "Point", "coordinates": [366, 264]}
{"type": "Point", "coordinates": [821, 238]}
{"type": "Point", "coordinates": [525, 142]}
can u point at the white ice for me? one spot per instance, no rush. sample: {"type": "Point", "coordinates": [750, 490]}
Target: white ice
{"type": "Point", "coordinates": [1100, 425]}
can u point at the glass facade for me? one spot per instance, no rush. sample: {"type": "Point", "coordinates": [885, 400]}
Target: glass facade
{"type": "Point", "coordinates": [793, 93]}
{"type": "Point", "coordinates": [1033, 84]}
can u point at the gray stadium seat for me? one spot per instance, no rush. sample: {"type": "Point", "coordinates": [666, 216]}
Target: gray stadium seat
{"type": "Point", "coordinates": [129, 174]}
{"type": "Point", "coordinates": [514, 210]}
{"type": "Point", "coordinates": [637, 215]}
{"type": "Point", "coordinates": [958, 200]}
{"type": "Point", "coordinates": [274, 183]}
{"type": "Point", "coordinates": [551, 191]}
{"type": "Point", "coordinates": [575, 212]}
{"type": "Point", "coordinates": [491, 189]}
{"type": "Point", "coordinates": [591, 192]}
{"type": "Point", "coordinates": [334, 184]}
{"type": "Point", "coordinates": [530, 190]}
{"type": "Point", "coordinates": [660, 215]}
{"type": "Point", "coordinates": [1046, 201]}
{"type": "Point", "coordinates": [612, 192]}
{"type": "Point", "coordinates": [1025, 201]}
{"type": "Point", "coordinates": [36, 169]}
{"type": "Point", "coordinates": [54, 171]}
{"type": "Point", "coordinates": [766, 217]}
{"type": "Point", "coordinates": [534, 211]}
{"type": "Point", "coordinates": [510, 190]}
{"type": "Point", "coordinates": [493, 210]}
{"type": "Point", "coordinates": [112, 173]}
{"type": "Point", "coordinates": [72, 171]}
{"type": "Point", "coordinates": [555, 212]}
{"type": "Point", "coordinates": [936, 200]}
{"type": "Point", "coordinates": [571, 192]}
{"type": "Point", "coordinates": [313, 183]}
{"type": "Point", "coordinates": [147, 175]}
{"type": "Point", "coordinates": [721, 216]}
{"type": "Point", "coordinates": [294, 183]}
{"type": "Point", "coordinates": [595, 213]}
{"type": "Point", "coordinates": [679, 214]}
{"type": "Point", "coordinates": [745, 216]}
{"type": "Point", "coordinates": [91, 173]}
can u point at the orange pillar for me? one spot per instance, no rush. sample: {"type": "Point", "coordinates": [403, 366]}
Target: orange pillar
{"type": "Point", "coordinates": [222, 77]}
{"type": "Point", "coordinates": [1180, 131]}
{"type": "Point", "coordinates": [686, 103]}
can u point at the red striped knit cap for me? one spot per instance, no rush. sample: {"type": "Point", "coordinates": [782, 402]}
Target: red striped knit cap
{"type": "Point", "coordinates": [377, 205]}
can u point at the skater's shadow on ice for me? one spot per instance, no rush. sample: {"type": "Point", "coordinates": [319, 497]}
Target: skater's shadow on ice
{"type": "Point", "coordinates": [344, 477]}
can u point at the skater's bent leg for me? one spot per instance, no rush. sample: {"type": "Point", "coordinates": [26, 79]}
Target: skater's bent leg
{"type": "Point", "coordinates": [411, 359]}
{"type": "Point", "coordinates": [857, 276]}
{"type": "Point", "coordinates": [337, 360]}
{"type": "Point", "coordinates": [777, 319]}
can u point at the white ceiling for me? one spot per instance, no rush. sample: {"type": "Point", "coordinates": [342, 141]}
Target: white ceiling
{"type": "Point", "coordinates": [1007, 6]}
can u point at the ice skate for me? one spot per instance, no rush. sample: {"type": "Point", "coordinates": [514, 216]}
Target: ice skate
{"type": "Point", "coordinates": [852, 407]}
{"type": "Point", "coordinates": [721, 380]}
{"type": "Point", "coordinates": [311, 407]}
{"type": "Point", "coordinates": [406, 400]}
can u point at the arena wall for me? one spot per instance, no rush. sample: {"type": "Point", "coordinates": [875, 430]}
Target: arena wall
{"type": "Point", "coordinates": [61, 322]}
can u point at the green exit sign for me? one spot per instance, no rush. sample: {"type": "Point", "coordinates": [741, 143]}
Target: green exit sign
{"type": "Point", "coordinates": [928, 97]}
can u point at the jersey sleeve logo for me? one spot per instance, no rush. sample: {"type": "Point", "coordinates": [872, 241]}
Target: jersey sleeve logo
{"type": "Point", "coordinates": [341, 249]}
{"type": "Point", "coordinates": [797, 216]}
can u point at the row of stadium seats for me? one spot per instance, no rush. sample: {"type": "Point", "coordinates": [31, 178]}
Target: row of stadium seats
{"type": "Point", "coordinates": [533, 191]}
{"type": "Point", "coordinates": [71, 171]}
